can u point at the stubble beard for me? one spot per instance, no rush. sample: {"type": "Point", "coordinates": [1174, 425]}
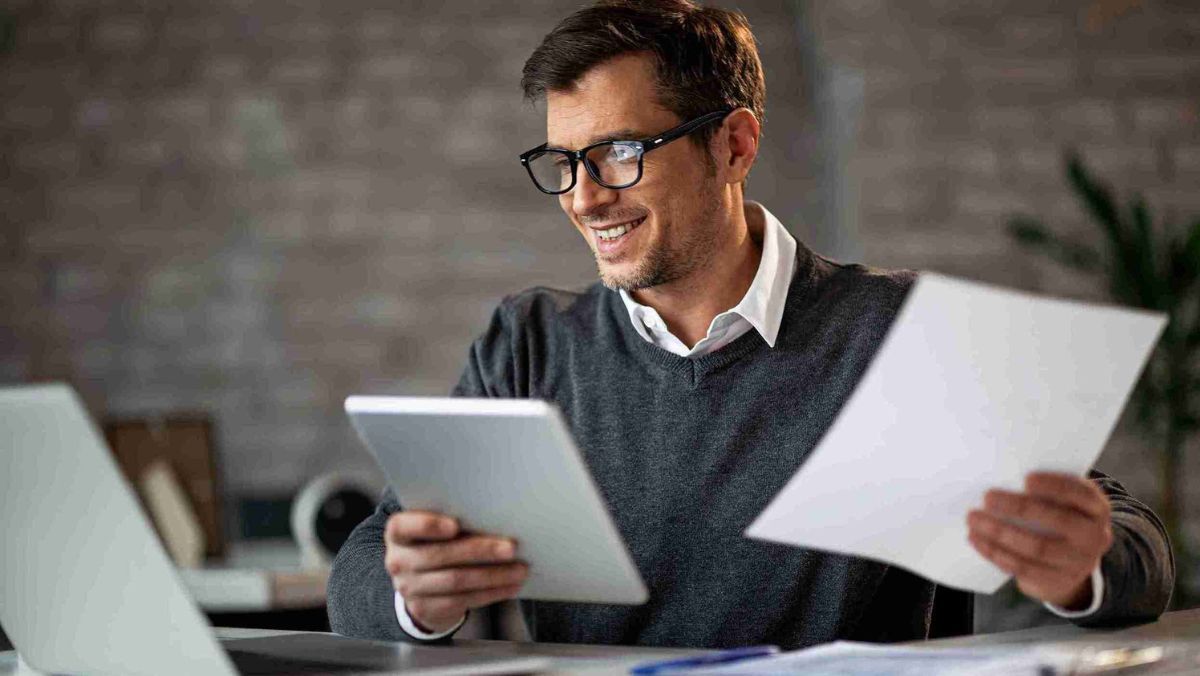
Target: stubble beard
{"type": "Point", "coordinates": [662, 263]}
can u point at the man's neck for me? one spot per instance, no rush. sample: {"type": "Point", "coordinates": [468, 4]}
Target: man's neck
{"type": "Point", "coordinates": [689, 305]}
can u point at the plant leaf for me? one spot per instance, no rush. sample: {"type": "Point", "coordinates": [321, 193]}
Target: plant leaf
{"type": "Point", "coordinates": [1129, 282]}
{"type": "Point", "coordinates": [1186, 261]}
{"type": "Point", "coordinates": [1032, 234]}
{"type": "Point", "coordinates": [1028, 230]}
{"type": "Point", "coordinates": [1157, 288]}
{"type": "Point", "coordinates": [1096, 198]}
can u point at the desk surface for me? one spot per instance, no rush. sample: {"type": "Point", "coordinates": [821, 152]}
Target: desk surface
{"type": "Point", "coordinates": [1181, 625]}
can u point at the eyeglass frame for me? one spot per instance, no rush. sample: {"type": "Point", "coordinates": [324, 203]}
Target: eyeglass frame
{"type": "Point", "coordinates": [642, 146]}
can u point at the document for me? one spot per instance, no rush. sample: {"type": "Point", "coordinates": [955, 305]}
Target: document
{"type": "Point", "coordinates": [844, 658]}
{"type": "Point", "coordinates": [973, 388]}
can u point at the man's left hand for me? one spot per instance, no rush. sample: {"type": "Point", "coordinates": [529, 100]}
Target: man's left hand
{"type": "Point", "coordinates": [1064, 529]}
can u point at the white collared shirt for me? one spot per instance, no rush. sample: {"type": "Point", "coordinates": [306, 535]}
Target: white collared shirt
{"type": "Point", "coordinates": [760, 309]}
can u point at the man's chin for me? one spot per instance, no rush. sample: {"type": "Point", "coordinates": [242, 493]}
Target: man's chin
{"type": "Point", "coordinates": [624, 279]}
{"type": "Point", "coordinates": [616, 277]}
{"type": "Point", "coordinates": [615, 283]}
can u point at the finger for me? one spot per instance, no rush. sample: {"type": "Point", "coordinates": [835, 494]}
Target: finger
{"type": "Point", "coordinates": [1011, 562]}
{"type": "Point", "coordinates": [1039, 582]}
{"type": "Point", "coordinates": [1051, 551]}
{"type": "Point", "coordinates": [462, 580]}
{"type": "Point", "coordinates": [405, 527]}
{"type": "Point", "coordinates": [1064, 521]}
{"type": "Point", "coordinates": [1070, 491]}
{"type": "Point", "coordinates": [466, 551]}
{"type": "Point", "coordinates": [451, 606]}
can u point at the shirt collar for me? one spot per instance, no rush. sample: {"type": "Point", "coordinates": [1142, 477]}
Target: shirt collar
{"type": "Point", "coordinates": [763, 304]}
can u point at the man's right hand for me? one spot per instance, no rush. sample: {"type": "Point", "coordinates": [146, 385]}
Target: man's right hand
{"type": "Point", "coordinates": [442, 573]}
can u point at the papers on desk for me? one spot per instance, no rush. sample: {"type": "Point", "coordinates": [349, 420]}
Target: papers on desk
{"type": "Point", "coordinates": [845, 658]}
{"type": "Point", "coordinates": [973, 388]}
{"type": "Point", "coordinates": [862, 659]}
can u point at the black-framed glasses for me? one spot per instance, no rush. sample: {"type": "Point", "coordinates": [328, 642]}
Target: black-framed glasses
{"type": "Point", "coordinates": [612, 164]}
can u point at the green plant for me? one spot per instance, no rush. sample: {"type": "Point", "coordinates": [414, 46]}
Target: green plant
{"type": "Point", "coordinates": [8, 32]}
{"type": "Point", "coordinates": [1154, 266]}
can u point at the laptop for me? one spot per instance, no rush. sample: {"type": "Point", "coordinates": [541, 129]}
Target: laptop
{"type": "Point", "coordinates": [86, 587]}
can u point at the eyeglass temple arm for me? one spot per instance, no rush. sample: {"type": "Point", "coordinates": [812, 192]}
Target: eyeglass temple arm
{"type": "Point", "coordinates": [684, 129]}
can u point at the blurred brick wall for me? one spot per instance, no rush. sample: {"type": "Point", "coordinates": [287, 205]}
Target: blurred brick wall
{"type": "Point", "coordinates": [258, 208]}
{"type": "Point", "coordinates": [968, 105]}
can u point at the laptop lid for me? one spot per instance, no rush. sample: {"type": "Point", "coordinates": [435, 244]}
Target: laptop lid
{"type": "Point", "coordinates": [85, 585]}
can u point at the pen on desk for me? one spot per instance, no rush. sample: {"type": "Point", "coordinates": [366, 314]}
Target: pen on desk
{"type": "Point", "coordinates": [722, 657]}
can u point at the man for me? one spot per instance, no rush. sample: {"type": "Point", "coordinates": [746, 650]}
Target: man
{"type": "Point", "coordinates": [697, 377]}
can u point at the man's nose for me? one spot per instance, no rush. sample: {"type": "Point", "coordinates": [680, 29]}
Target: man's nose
{"type": "Point", "coordinates": [588, 196]}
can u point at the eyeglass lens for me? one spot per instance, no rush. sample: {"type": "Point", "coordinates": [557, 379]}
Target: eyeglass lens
{"type": "Point", "coordinates": [613, 165]}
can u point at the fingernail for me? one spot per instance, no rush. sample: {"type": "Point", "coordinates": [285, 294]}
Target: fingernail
{"type": "Point", "coordinates": [505, 549]}
{"type": "Point", "coordinates": [448, 526]}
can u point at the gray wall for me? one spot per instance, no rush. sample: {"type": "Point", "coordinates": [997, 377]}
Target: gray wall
{"type": "Point", "coordinates": [969, 103]}
{"type": "Point", "coordinates": [256, 209]}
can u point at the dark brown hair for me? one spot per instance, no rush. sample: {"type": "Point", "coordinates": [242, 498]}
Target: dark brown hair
{"type": "Point", "coordinates": [706, 57]}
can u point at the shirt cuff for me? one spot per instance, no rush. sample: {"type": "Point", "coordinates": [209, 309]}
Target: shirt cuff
{"type": "Point", "coordinates": [1097, 597]}
{"type": "Point", "coordinates": [410, 627]}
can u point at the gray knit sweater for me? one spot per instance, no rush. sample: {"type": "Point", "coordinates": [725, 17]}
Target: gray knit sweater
{"type": "Point", "coordinates": [687, 452]}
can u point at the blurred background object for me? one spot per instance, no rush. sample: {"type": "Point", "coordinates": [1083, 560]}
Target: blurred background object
{"type": "Point", "coordinates": [326, 511]}
{"type": "Point", "coordinates": [182, 443]}
{"type": "Point", "coordinates": [171, 511]}
{"type": "Point", "coordinates": [254, 209]}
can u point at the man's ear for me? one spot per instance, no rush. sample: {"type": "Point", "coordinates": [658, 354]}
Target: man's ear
{"type": "Point", "coordinates": [739, 132]}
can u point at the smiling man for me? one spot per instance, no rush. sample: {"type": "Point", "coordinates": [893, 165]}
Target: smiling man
{"type": "Point", "coordinates": [697, 376]}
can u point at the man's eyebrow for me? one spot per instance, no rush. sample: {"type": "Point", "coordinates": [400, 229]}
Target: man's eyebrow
{"type": "Point", "coordinates": [617, 135]}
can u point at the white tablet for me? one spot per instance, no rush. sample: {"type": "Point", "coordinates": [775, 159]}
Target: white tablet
{"type": "Point", "coordinates": [506, 467]}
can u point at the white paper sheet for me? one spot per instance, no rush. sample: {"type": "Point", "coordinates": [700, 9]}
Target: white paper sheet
{"type": "Point", "coordinates": [973, 388]}
{"type": "Point", "coordinates": [845, 658]}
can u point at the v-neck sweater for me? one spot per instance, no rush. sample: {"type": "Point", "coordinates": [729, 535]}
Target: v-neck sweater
{"type": "Point", "coordinates": [686, 452]}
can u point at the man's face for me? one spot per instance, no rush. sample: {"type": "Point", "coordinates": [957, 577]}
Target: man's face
{"type": "Point", "coordinates": [671, 214]}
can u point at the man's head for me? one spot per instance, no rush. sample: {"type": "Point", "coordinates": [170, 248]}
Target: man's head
{"type": "Point", "coordinates": [632, 70]}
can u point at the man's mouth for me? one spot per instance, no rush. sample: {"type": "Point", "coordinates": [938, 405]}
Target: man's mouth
{"type": "Point", "coordinates": [617, 231]}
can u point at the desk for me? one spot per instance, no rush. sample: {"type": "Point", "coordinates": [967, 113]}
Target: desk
{"type": "Point", "coordinates": [604, 660]}
{"type": "Point", "coordinates": [1181, 625]}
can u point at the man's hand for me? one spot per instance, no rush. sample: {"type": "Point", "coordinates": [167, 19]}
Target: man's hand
{"type": "Point", "coordinates": [1065, 529]}
{"type": "Point", "coordinates": [442, 573]}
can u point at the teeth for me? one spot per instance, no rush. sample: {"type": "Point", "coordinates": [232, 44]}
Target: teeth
{"type": "Point", "coordinates": [613, 233]}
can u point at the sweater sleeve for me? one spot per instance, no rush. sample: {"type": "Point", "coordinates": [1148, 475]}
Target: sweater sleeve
{"type": "Point", "coordinates": [1139, 568]}
{"type": "Point", "coordinates": [360, 597]}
